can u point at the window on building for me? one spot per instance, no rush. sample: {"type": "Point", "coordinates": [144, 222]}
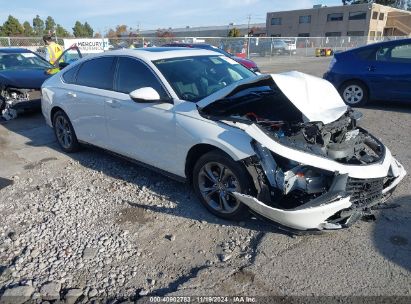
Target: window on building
{"type": "Point", "coordinates": [275, 35]}
{"type": "Point", "coordinates": [275, 21]}
{"type": "Point", "coordinates": [372, 35]}
{"type": "Point", "coordinates": [357, 15]}
{"type": "Point", "coordinates": [335, 17]}
{"type": "Point", "coordinates": [379, 34]}
{"type": "Point", "coordinates": [381, 16]}
{"type": "Point", "coordinates": [375, 15]}
{"type": "Point", "coordinates": [305, 19]}
{"type": "Point", "coordinates": [304, 35]}
{"type": "Point", "coordinates": [332, 34]}
{"type": "Point", "coordinates": [355, 33]}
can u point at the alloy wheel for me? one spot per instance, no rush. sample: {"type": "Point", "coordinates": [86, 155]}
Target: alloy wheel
{"type": "Point", "coordinates": [63, 132]}
{"type": "Point", "coordinates": [216, 184]}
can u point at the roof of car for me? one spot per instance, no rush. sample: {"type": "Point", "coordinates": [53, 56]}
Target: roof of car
{"type": "Point", "coordinates": [14, 50]}
{"type": "Point", "coordinates": [157, 53]}
{"type": "Point", "coordinates": [380, 44]}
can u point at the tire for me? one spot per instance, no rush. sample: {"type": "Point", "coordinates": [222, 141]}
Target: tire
{"type": "Point", "coordinates": [64, 132]}
{"type": "Point", "coordinates": [208, 174]}
{"type": "Point", "coordinates": [354, 93]}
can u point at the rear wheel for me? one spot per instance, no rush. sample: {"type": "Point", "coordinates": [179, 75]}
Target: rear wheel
{"type": "Point", "coordinates": [354, 93]}
{"type": "Point", "coordinates": [64, 131]}
{"type": "Point", "coordinates": [215, 177]}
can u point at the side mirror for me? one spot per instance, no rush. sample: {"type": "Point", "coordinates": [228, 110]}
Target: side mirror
{"type": "Point", "coordinates": [147, 94]}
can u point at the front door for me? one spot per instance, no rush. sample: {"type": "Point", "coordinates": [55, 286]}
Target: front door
{"type": "Point", "coordinates": [143, 131]}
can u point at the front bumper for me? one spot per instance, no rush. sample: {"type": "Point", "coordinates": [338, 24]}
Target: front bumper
{"type": "Point", "coordinates": [324, 212]}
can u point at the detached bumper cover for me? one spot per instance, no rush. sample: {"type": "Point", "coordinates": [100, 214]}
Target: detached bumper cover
{"type": "Point", "coordinates": [314, 214]}
{"type": "Point", "coordinates": [302, 219]}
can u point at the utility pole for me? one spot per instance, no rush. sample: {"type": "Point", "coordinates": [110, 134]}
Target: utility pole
{"type": "Point", "coordinates": [248, 35]}
{"type": "Point", "coordinates": [248, 24]}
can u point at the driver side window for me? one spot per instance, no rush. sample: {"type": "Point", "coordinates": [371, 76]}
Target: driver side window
{"type": "Point", "coordinates": [133, 74]}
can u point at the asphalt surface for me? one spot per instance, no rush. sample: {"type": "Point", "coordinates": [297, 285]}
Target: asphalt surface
{"type": "Point", "coordinates": [369, 259]}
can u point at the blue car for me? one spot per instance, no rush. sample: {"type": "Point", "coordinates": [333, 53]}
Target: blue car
{"type": "Point", "coordinates": [379, 71]}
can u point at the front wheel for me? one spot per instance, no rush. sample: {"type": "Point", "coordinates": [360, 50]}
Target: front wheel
{"type": "Point", "coordinates": [215, 177]}
{"type": "Point", "coordinates": [64, 132]}
{"type": "Point", "coordinates": [354, 93]}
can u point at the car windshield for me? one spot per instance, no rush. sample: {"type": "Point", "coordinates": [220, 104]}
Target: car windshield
{"type": "Point", "coordinates": [19, 61]}
{"type": "Point", "coordinates": [194, 78]}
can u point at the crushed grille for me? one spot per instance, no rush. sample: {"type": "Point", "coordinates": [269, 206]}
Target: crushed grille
{"type": "Point", "coordinates": [364, 192]}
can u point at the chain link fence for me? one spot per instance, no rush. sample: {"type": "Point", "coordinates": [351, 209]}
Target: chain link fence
{"type": "Point", "coordinates": [243, 47]}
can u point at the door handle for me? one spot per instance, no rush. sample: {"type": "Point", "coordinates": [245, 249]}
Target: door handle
{"type": "Point", "coordinates": [371, 68]}
{"type": "Point", "coordinates": [113, 103]}
{"type": "Point", "coordinates": [71, 94]}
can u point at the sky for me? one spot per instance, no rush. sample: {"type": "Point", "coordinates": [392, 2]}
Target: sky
{"type": "Point", "coordinates": [150, 14]}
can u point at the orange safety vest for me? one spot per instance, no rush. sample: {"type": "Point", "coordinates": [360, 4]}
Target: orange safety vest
{"type": "Point", "coordinates": [55, 50]}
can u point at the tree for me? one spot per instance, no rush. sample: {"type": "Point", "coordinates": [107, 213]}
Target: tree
{"type": "Point", "coordinates": [88, 30]}
{"type": "Point", "coordinates": [61, 31]}
{"type": "Point", "coordinates": [27, 29]}
{"type": "Point", "coordinates": [82, 30]}
{"type": "Point", "coordinates": [164, 34]}
{"type": "Point", "coordinates": [111, 34]}
{"type": "Point", "coordinates": [121, 30]}
{"type": "Point", "coordinates": [401, 4]}
{"type": "Point", "coordinates": [12, 27]}
{"type": "Point", "coordinates": [78, 29]}
{"type": "Point", "coordinates": [234, 32]}
{"type": "Point", "coordinates": [97, 35]}
{"type": "Point", "coordinates": [38, 26]}
{"type": "Point", "coordinates": [50, 25]}
{"type": "Point", "coordinates": [409, 5]}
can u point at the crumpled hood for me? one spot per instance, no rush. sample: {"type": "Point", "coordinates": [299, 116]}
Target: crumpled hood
{"type": "Point", "coordinates": [25, 78]}
{"type": "Point", "coordinates": [314, 97]}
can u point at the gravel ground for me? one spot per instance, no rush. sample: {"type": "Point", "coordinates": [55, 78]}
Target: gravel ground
{"type": "Point", "coordinates": [90, 226]}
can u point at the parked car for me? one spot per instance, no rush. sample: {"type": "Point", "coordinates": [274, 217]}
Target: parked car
{"type": "Point", "coordinates": [272, 46]}
{"type": "Point", "coordinates": [284, 146]}
{"type": "Point", "coordinates": [249, 64]}
{"type": "Point", "coordinates": [291, 46]}
{"type": "Point", "coordinates": [22, 72]}
{"type": "Point", "coordinates": [379, 71]}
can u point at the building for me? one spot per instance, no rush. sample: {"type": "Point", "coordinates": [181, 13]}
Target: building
{"type": "Point", "coordinates": [208, 31]}
{"type": "Point", "coordinates": [372, 20]}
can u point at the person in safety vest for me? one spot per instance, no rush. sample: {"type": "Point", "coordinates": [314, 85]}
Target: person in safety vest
{"type": "Point", "coordinates": [53, 49]}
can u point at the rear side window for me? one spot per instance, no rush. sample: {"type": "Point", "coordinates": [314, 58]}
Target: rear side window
{"type": "Point", "coordinates": [97, 73]}
{"type": "Point", "coordinates": [366, 54]}
{"type": "Point", "coordinates": [133, 74]}
{"type": "Point", "coordinates": [70, 75]}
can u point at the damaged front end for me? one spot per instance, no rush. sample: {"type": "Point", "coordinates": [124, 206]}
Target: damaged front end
{"type": "Point", "coordinates": [17, 100]}
{"type": "Point", "coordinates": [311, 171]}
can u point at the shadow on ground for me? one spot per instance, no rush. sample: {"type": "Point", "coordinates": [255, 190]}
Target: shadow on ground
{"type": "Point", "coordinates": [390, 106]}
{"type": "Point", "coordinates": [392, 233]}
{"type": "Point", "coordinates": [187, 205]}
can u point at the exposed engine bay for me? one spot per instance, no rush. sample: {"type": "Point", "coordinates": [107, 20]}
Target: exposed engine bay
{"type": "Point", "coordinates": [286, 187]}
{"type": "Point", "coordinates": [16, 100]}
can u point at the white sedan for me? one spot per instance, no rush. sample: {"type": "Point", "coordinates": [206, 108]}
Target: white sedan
{"type": "Point", "coordinates": [284, 146]}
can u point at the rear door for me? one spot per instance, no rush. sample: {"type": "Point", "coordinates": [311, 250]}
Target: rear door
{"type": "Point", "coordinates": [390, 73]}
{"type": "Point", "coordinates": [87, 99]}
